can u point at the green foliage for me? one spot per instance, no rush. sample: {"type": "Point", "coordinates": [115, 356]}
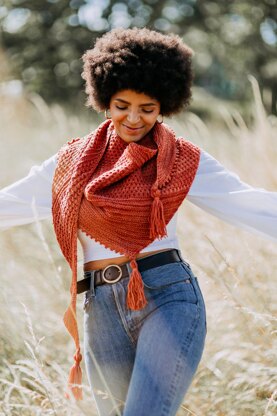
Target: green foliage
{"type": "Point", "coordinates": [45, 39]}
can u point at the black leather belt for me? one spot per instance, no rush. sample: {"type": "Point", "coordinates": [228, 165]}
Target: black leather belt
{"type": "Point", "coordinates": [113, 273]}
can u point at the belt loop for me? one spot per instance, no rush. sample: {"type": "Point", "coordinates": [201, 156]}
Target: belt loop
{"type": "Point", "coordinates": [91, 292]}
{"type": "Point", "coordinates": [182, 260]}
{"type": "Point", "coordinates": [180, 256]}
{"type": "Point", "coordinates": [92, 283]}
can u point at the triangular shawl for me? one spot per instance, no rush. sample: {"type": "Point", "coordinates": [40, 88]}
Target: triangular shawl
{"type": "Point", "coordinates": [122, 195]}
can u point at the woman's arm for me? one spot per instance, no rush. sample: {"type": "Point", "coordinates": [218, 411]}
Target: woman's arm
{"type": "Point", "coordinates": [223, 194]}
{"type": "Point", "coordinates": [29, 198]}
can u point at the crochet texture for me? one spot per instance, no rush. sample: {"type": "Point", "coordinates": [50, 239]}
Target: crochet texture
{"type": "Point", "coordinates": [122, 195]}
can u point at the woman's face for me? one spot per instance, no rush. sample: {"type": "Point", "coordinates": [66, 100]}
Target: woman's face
{"type": "Point", "coordinates": [133, 114]}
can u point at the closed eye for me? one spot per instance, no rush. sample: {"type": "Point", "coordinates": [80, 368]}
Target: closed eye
{"type": "Point", "coordinates": [143, 109]}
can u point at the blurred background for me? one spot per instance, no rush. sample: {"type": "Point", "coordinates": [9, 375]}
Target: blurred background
{"type": "Point", "coordinates": [232, 116]}
{"type": "Point", "coordinates": [42, 42]}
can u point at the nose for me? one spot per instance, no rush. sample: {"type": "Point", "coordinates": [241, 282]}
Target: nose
{"type": "Point", "coordinates": [133, 117]}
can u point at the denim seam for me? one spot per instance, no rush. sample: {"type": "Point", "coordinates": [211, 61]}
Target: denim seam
{"type": "Point", "coordinates": [187, 269]}
{"type": "Point", "coordinates": [121, 314]}
{"type": "Point", "coordinates": [185, 347]}
{"type": "Point", "coordinates": [183, 280]}
{"type": "Point", "coordinates": [203, 301]}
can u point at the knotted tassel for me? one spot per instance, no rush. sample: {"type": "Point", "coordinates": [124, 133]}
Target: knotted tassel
{"type": "Point", "coordinates": [135, 296]}
{"type": "Point", "coordinates": [157, 221]}
{"type": "Point", "coordinates": [75, 377]}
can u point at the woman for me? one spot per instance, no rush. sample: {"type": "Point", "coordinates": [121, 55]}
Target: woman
{"type": "Point", "coordinates": [118, 191]}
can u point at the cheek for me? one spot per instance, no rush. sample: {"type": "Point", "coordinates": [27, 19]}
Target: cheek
{"type": "Point", "coordinates": [152, 121]}
{"type": "Point", "coordinates": [117, 118]}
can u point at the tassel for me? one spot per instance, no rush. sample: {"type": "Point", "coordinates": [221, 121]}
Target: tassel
{"type": "Point", "coordinates": [135, 296]}
{"type": "Point", "coordinates": [75, 377]}
{"type": "Point", "coordinates": [157, 221]}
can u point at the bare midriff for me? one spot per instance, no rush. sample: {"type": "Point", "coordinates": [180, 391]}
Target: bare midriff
{"type": "Point", "coordinates": [102, 263]}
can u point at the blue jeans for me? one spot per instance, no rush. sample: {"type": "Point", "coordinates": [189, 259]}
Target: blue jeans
{"type": "Point", "coordinates": [141, 363]}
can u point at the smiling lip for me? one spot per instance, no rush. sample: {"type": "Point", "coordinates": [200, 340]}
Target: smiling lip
{"type": "Point", "coordinates": [132, 128]}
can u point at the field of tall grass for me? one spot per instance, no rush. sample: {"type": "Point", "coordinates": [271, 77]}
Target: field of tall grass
{"type": "Point", "coordinates": [236, 270]}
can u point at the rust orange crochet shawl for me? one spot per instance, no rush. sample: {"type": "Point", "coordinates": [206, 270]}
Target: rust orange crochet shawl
{"type": "Point", "coordinates": [122, 195]}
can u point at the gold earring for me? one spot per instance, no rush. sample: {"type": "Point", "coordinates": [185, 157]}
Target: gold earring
{"type": "Point", "coordinates": [160, 122]}
{"type": "Point", "coordinates": [108, 117]}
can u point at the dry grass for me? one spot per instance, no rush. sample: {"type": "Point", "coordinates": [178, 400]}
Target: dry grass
{"type": "Point", "coordinates": [237, 270]}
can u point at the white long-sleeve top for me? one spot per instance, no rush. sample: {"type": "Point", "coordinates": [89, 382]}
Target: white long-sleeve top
{"type": "Point", "coordinates": [214, 189]}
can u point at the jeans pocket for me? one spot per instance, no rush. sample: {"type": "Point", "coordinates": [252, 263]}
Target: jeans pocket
{"type": "Point", "coordinates": [161, 287]}
{"type": "Point", "coordinates": [162, 277]}
{"type": "Point", "coordinates": [170, 281]}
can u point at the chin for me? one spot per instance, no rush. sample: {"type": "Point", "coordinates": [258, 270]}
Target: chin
{"type": "Point", "coordinates": [131, 138]}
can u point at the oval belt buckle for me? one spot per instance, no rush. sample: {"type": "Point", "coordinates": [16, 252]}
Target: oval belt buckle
{"type": "Point", "coordinates": [114, 280]}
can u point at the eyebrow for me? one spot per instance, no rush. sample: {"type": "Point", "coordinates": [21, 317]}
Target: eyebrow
{"type": "Point", "coordinates": [126, 102]}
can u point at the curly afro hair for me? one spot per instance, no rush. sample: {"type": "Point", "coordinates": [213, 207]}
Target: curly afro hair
{"type": "Point", "coordinates": [142, 60]}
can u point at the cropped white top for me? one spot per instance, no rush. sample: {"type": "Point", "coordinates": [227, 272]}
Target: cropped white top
{"type": "Point", "coordinates": [214, 189]}
{"type": "Point", "coordinates": [94, 250]}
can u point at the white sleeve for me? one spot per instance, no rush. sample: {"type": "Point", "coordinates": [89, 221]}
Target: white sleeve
{"type": "Point", "coordinates": [222, 193]}
{"type": "Point", "coordinates": [30, 198]}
